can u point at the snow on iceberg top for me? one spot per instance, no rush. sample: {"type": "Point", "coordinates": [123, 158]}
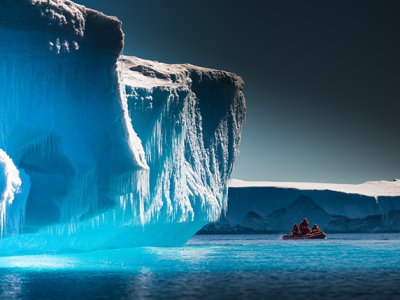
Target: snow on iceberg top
{"type": "Point", "coordinates": [64, 18]}
{"type": "Point", "coordinates": [148, 74]}
{"type": "Point", "coordinates": [369, 188]}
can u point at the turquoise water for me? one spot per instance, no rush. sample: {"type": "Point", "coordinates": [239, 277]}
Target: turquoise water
{"type": "Point", "coordinates": [215, 267]}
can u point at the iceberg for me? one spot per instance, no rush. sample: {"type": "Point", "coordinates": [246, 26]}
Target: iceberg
{"type": "Point", "coordinates": [273, 207]}
{"type": "Point", "coordinates": [106, 150]}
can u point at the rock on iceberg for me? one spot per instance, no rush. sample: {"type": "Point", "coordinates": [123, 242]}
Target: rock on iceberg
{"type": "Point", "coordinates": [112, 151]}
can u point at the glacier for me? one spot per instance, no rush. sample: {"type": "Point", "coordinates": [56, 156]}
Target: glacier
{"type": "Point", "coordinates": [273, 207]}
{"type": "Point", "coordinates": [100, 150]}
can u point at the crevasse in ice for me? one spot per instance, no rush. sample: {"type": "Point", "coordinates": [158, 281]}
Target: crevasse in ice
{"type": "Point", "coordinates": [106, 151]}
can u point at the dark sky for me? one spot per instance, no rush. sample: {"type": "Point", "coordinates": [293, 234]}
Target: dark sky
{"type": "Point", "coordinates": [322, 77]}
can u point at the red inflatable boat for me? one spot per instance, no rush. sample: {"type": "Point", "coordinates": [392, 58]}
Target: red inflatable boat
{"type": "Point", "coordinates": [308, 236]}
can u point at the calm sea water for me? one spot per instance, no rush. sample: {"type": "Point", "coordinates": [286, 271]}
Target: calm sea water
{"type": "Point", "coordinates": [215, 267]}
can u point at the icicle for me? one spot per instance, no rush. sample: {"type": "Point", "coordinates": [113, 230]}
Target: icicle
{"type": "Point", "coordinates": [10, 183]}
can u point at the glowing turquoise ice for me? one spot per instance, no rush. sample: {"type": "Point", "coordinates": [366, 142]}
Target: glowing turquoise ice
{"type": "Point", "coordinates": [112, 151]}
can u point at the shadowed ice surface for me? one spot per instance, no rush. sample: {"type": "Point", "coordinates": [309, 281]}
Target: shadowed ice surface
{"type": "Point", "coordinates": [214, 267]}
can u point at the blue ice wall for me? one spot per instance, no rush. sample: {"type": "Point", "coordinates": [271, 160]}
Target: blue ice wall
{"type": "Point", "coordinates": [97, 169]}
{"type": "Point", "coordinates": [189, 121]}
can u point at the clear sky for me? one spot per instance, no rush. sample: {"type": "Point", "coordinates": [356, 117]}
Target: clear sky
{"type": "Point", "coordinates": [322, 77]}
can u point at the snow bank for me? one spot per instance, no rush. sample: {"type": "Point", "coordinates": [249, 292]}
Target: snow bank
{"type": "Point", "coordinates": [369, 188]}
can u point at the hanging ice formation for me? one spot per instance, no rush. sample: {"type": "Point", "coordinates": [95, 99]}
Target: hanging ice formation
{"type": "Point", "coordinates": [100, 151]}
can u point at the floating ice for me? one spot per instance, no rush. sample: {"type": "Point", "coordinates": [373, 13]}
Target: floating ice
{"type": "Point", "coordinates": [116, 151]}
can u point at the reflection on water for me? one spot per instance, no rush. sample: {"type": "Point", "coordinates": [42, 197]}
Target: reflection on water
{"type": "Point", "coordinates": [217, 267]}
{"type": "Point", "coordinates": [11, 286]}
{"type": "Point", "coordinates": [37, 262]}
{"type": "Point", "coordinates": [208, 285]}
{"type": "Point", "coordinates": [139, 286]}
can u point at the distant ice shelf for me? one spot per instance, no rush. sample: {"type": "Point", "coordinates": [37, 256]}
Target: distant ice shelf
{"type": "Point", "coordinates": [264, 207]}
{"type": "Point", "coordinates": [369, 188]}
{"type": "Point", "coordinates": [111, 151]}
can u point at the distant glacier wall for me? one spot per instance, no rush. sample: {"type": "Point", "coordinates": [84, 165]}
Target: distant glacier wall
{"type": "Point", "coordinates": [111, 151]}
{"type": "Point", "coordinates": [258, 207]}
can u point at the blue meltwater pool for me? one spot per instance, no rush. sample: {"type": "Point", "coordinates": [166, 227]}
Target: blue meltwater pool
{"type": "Point", "coordinates": [364, 266]}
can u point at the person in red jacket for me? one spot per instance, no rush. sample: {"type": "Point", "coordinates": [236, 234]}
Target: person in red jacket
{"type": "Point", "coordinates": [295, 230]}
{"type": "Point", "coordinates": [315, 228]}
{"type": "Point", "coordinates": [305, 227]}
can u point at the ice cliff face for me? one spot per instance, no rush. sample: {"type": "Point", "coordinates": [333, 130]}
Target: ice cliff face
{"type": "Point", "coordinates": [189, 121]}
{"type": "Point", "coordinates": [110, 152]}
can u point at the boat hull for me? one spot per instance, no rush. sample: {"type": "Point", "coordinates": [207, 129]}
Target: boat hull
{"type": "Point", "coordinates": [309, 236]}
